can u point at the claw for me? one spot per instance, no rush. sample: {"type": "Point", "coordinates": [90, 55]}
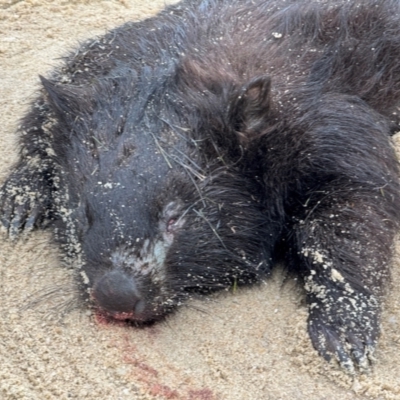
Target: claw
{"type": "Point", "coordinates": [351, 349]}
{"type": "Point", "coordinates": [5, 222]}
{"type": "Point", "coordinates": [14, 230]}
{"type": "Point", "coordinates": [32, 219]}
{"type": "Point", "coordinates": [328, 343]}
{"type": "Point", "coordinates": [359, 352]}
{"type": "Point", "coordinates": [17, 220]}
{"type": "Point", "coordinates": [345, 361]}
{"type": "Point", "coordinates": [18, 210]}
{"type": "Point", "coordinates": [5, 213]}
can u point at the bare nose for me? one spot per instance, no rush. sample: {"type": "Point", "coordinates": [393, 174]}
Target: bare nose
{"type": "Point", "coordinates": [116, 292]}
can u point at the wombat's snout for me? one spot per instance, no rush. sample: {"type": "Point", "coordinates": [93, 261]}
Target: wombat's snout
{"type": "Point", "coordinates": [116, 293]}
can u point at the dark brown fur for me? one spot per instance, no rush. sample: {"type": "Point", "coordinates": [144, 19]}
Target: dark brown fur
{"type": "Point", "coordinates": [187, 152]}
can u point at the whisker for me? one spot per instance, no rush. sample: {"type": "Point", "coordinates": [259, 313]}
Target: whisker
{"type": "Point", "coordinates": [63, 300]}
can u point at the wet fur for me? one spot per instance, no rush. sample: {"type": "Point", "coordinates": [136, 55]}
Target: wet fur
{"type": "Point", "coordinates": [265, 123]}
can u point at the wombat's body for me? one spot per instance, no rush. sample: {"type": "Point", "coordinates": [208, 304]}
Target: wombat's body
{"type": "Point", "coordinates": [178, 154]}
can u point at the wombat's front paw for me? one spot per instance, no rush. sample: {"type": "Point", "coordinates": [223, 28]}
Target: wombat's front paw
{"type": "Point", "coordinates": [21, 203]}
{"type": "Point", "coordinates": [344, 324]}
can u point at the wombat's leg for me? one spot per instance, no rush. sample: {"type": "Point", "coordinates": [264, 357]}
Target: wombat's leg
{"type": "Point", "coordinates": [343, 231]}
{"type": "Point", "coordinates": [346, 251]}
{"type": "Point", "coordinates": [25, 197]}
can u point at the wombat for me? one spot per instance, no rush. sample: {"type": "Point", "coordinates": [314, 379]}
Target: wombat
{"type": "Point", "coordinates": [189, 152]}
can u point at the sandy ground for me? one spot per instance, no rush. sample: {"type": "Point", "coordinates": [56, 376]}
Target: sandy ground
{"type": "Point", "coordinates": [251, 344]}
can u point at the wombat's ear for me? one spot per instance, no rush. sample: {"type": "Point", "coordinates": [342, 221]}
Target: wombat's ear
{"type": "Point", "coordinates": [66, 100]}
{"type": "Point", "coordinates": [250, 109]}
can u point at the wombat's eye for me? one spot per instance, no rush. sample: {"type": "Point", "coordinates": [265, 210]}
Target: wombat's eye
{"type": "Point", "coordinates": [172, 218]}
{"type": "Point", "coordinates": [172, 225]}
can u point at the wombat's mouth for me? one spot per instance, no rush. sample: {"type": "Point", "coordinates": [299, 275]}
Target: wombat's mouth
{"type": "Point", "coordinates": [121, 316]}
{"type": "Point", "coordinates": [143, 319]}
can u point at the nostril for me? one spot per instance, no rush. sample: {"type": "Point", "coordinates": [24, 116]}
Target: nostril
{"type": "Point", "coordinates": [116, 292]}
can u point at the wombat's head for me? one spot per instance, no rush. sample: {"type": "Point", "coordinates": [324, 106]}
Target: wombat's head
{"type": "Point", "coordinates": [158, 211]}
{"type": "Point", "coordinates": [151, 250]}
